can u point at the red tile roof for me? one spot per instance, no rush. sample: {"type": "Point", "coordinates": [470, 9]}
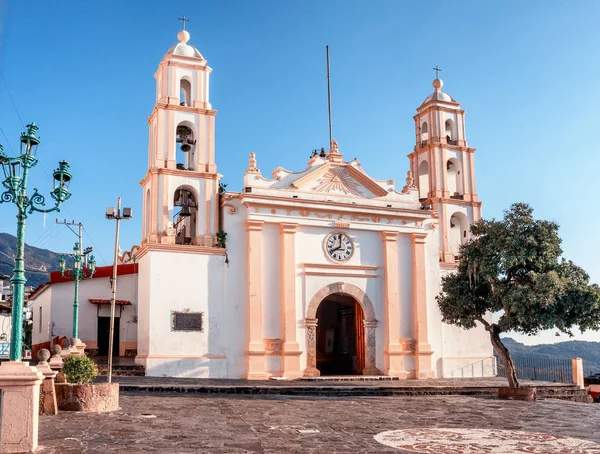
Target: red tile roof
{"type": "Point", "coordinates": [117, 302]}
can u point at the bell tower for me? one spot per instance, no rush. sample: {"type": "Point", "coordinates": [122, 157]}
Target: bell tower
{"type": "Point", "coordinates": [181, 186]}
{"type": "Point", "coordinates": [444, 170]}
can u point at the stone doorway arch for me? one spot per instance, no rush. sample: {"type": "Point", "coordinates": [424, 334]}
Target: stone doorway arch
{"type": "Point", "coordinates": [370, 323]}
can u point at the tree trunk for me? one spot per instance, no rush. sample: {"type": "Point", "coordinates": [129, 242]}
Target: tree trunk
{"type": "Point", "coordinates": [502, 351]}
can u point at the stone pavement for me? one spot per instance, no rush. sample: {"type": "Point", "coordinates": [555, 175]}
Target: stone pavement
{"type": "Point", "coordinates": [176, 423]}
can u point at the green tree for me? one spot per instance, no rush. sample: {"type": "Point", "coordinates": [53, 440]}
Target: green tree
{"type": "Point", "coordinates": [514, 267]}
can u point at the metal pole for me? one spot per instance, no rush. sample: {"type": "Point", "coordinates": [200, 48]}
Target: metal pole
{"type": "Point", "coordinates": [76, 307]}
{"type": "Point", "coordinates": [18, 281]}
{"type": "Point", "coordinates": [329, 100]}
{"type": "Point", "coordinates": [114, 295]}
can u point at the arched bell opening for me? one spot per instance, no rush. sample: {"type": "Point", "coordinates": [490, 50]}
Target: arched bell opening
{"type": "Point", "coordinates": [184, 219]}
{"type": "Point", "coordinates": [458, 232]}
{"type": "Point", "coordinates": [454, 178]}
{"type": "Point", "coordinates": [185, 92]}
{"type": "Point", "coordinates": [450, 132]}
{"type": "Point", "coordinates": [340, 336]}
{"type": "Point", "coordinates": [423, 180]}
{"type": "Point", "coordinates": [424, 133]}
{"type": "Point", "coordinates": [185, 146]}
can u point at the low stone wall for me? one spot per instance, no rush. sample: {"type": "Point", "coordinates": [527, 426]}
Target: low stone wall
{"type": "Point", "coordinates": [87, 397]}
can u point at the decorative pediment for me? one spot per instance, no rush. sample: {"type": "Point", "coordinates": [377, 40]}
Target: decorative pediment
{"type": "Point", "coordinates": [340, 180]}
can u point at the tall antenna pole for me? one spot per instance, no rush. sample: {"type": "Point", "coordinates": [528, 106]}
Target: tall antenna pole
{"type": "Point", "coordinates": [329, 99]}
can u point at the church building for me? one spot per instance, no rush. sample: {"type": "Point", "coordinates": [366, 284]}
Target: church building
{"type": "Point", "coordinates": [323, 270]}
{"type": "Point", "coordinates": [319, 271]}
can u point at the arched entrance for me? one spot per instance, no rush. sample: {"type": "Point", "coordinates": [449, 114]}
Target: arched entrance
{"type": "Point", "coordinates": [340, 336]}
{"type": "Point", "coordinates": [355, 350]}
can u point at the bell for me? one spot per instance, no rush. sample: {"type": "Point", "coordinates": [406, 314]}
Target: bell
{"type": "Point", "coordinates": [185, 211]}
{"type": "Point", "coordinates": [186, 147]}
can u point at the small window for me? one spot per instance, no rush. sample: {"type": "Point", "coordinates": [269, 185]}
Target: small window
{"type": "Point", "coordinates": [40, 324]}
{"type": "Point", "coordinates": [187, 321]}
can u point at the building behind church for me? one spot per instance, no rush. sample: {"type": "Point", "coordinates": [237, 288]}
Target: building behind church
{"type": "Point", "coordinates": [320, 271]}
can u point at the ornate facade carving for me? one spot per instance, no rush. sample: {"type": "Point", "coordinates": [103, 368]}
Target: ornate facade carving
{"type": "Point", "coordinates": [337, 179]}
{"type": "Point", "coordinates": [408, 345]}
{"type": "Point", "coordinates": [273, 346]}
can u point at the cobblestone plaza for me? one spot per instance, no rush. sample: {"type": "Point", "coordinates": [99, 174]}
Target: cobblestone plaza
{"type": "Point", "coordinates": [179, 423]}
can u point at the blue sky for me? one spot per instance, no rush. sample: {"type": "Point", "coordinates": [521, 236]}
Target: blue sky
{"type": "Point", "coordinates": [526, 73]}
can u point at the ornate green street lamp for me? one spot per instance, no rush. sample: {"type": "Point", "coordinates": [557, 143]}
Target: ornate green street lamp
{"type": "Point", "coordinates": [16, 171]}
{"type": "Point", "coordinates": [77, 273]}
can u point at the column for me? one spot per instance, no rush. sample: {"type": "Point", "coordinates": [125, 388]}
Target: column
{"type": "Point", "coordinates": [256, 347]}
{"type": "Point", "coordinates": [370, 341]}
{"type": "Point", "coordinates": [444, 188]}
{"type": "Point", "coordinates": [472, 175]}
{"type": "Point", "coordinates": [422, 349]}
{"type": "Point", "coordinates": [20, 385]}
{"type": "Point", "coordinates": [311, 348]}
{"type": "Point", "coordinates": [392, 353]}
{"type": "Point", "coordinates": [291, 349]}
{"type": "Point", "coordinates": [463, 169]}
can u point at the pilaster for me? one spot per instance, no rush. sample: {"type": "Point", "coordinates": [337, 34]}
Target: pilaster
{"type": "Point", "coordinates": [291, 348]}
{"type": "Point", "coordinates": [311, 348]}
{"type": "Point", "coordinates": [393, 359]}
{"type": "Point", "coordinates": [256, 369]}
{"type": "Point", "coordinates": [422, 349]}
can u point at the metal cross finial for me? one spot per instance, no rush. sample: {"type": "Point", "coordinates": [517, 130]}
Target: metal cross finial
{"type": "Point", "coordinates": [437, 70]}
{"type": "Point", "coordinates": [183, 21]}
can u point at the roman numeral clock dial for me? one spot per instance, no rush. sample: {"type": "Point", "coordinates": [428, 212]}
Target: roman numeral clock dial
{"type": "Point", "coordinates": [339, 246]}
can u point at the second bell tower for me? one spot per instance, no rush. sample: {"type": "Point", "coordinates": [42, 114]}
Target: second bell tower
{"type": "Point", "coordinates": [181, 186]}
{"type": "Point", "coordinates": [443, 165]}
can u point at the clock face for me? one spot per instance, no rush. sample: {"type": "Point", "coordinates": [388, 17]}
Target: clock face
{"type": "Point", "coordinates": [339, 246]}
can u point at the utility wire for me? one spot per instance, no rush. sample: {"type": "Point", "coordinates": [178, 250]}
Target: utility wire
{"type": "Point", "coordinates": [7, 141]}
{"type": "Point", "coordinates": [26, 269]}
{"type": "Point", "coordinates": [95, 248]}
{"type": "Point", "coordinates": [12, 100]}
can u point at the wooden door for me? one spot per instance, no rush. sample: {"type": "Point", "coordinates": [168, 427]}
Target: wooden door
{"type": "Point", "coordinates": [360, 338]}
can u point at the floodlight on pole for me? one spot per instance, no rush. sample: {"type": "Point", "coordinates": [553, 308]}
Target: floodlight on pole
{"type": "Point", "coordinates": [114, 213]}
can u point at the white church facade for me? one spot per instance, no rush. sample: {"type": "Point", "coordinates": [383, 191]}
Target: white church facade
{"type": "Point", "coordinates": [321, 271]}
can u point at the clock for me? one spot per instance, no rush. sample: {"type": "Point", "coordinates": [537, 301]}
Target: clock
{"type": "Point", "coordinates": [339, 246]}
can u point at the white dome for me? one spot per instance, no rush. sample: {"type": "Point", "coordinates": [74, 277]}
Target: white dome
{"type": "Point", "coordinates": [183, 48]}
{"type": "Point", "coordinates": [438, 94]}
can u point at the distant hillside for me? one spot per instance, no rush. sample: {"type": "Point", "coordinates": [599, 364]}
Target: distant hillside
{"type": "Point", "coordinates": [588, 351]}
{"type": "Point", "coordinates": [38, 262]}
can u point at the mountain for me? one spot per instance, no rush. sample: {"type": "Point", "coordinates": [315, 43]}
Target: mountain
{"type": "Point", "coordinates": [588, 351]}
{"type": "Point", "coordinates": [38, 262]}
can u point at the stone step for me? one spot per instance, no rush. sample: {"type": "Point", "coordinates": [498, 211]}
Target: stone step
{"type": "Point", "coordinates": [119, 370]}
{"type": "Point", "coordinates": [297, 389]}
{"type": "Point", "coordinates": [343, 378]}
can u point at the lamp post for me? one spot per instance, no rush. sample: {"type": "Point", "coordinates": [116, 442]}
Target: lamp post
{"type": "Point", "coordinates": [16, 171]}
{"type": "Point", "coordinates": [77, 273]}
{"type": "Point", "coordinates": [114, 213]}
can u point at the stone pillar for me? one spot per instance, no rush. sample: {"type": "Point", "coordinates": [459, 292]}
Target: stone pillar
{"type": "Point", "coordinates": [370, 358]}
{"type": "Point", "coordinates": [78, 345]}
{"type": "Point", "coordinates": [422, 349]}
{"type": "Point", "coordinates": [291, 348]}
{"type": "Point", "coordinates": [311, 348]}
{"type": "Point", "coordinates": [20, 385]}
{"type": "Point", "coordinates": [56, 362]}
{"type": "Point", "coordinates": [256, 346]}
{"type": "Point", "coordinates": [47, 394]}
{"type": "Point", "coordinates": [577, 370]}
{"type": "Point", "coordinates": [392, 353]}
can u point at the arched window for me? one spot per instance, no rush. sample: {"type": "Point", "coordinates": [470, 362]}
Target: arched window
{"type": "Point", "coordinates": [458, 232]}
{"type": "Point", "coordinates": [449, 132]}
{"type": "Point", "coordinates": [185, 92]}
{"type": "Point", "coordinates": [424, 133]}
{"type": "Point", "coordinates": [185, 213]}
{"type": "Point", "coordinates": [454, 178]}
{"type": "Point", "coordinates": [423, 179]}
{"type": "Point", "coordinates": [185, 144]}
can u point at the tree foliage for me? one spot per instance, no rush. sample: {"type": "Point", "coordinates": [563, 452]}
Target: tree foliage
{"type": "Point", "coordinates": [514, 267]}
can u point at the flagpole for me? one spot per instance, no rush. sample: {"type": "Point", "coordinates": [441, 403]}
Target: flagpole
{"type": "Point", "coordinates": [329, 99]}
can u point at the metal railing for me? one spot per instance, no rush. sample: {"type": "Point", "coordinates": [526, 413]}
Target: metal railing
{"type": "Point", "coordinates": [540, 368]}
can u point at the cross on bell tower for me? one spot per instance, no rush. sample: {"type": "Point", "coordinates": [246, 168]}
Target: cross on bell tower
{"type": "Point", "coordinates": [436, 69]}
{"type": "Point", "coordinates": [183, 20]}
